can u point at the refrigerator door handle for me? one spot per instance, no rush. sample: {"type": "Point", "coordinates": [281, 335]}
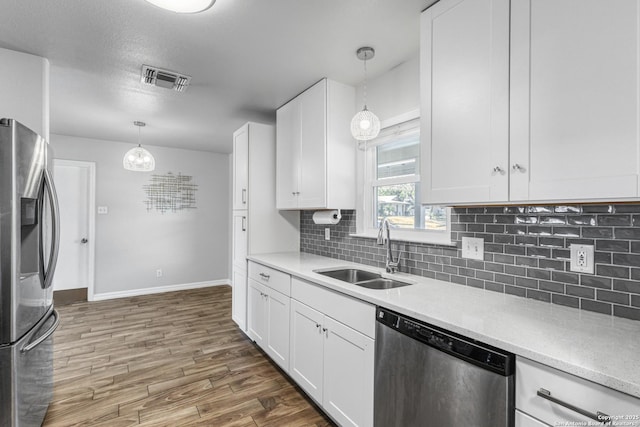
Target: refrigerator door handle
{"type": "Point", "coordinates": [55, 229]}
{"type": "Point", "coordinates": [44, 336]}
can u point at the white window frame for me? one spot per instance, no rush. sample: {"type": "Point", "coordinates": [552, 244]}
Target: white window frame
{"type": "Point", "coordinates": [404, 124]}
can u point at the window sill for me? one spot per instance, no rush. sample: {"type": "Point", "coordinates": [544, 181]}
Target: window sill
{"type": "Point", "coordinates": [415, 237]}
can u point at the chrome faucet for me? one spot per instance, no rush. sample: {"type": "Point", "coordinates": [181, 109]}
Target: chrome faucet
{"type": "Point", "coordinates": [392, 266]}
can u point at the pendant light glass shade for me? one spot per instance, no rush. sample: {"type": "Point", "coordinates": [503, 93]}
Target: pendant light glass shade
{"type": "Point", "coordinates": [365, 125]}
{"type": "Point", "coordinates": [184, 6]}
{"type": "Point", "coordinates": [138, 159]}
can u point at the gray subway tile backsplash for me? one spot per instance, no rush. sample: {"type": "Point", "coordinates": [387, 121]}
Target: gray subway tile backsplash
{"type": "Point", "coordinates": [526, 253]}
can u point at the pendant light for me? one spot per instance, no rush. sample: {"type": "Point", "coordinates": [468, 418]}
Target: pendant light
{"type": "Point", "coordinates": [365, 125]}
{"type": "Point", "coordinates": [183, 6]}
{"type": "Point", "coordinates": [138, 159]}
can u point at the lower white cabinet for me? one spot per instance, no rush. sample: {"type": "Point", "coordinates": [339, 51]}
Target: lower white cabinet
{"type": "Point", "coordinates": [239, 297]}
{"type": "Point", "coordinates": [269, 322]}
{"type": "Point", "coordinates": [307, 343]}
{"type": "Point", "coordinates": [333, 363]}
{"type": "Point", "coordinates": [547, 396]}
{"type": "Point", "coordinates": [524, 420]}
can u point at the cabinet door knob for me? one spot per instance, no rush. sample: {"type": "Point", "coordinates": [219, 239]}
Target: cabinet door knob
{"type": "Point", "coordinates": [516, 167]}
{"type": "Point", "coordinates": [499, 170]}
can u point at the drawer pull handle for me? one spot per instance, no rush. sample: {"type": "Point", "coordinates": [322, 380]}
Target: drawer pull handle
{"type": "Point", "coordinates": [264, 276]}
{"type": "Point", "coordinates": [244, 196]}
{"type": "Point", "coordinates": [598, 416]}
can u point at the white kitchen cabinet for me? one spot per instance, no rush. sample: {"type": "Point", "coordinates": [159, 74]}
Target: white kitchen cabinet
{"type": "Point", "coordinates": [315, 150]}
{"type": "Point", "coordinates": [464, 69]}
{"type": "Point", "coordinates": [269, 310]}
{"type": "Point", "coordinates": [546, 111]}
{"type": "Point", "coordinates": [257, 313]}
{"type": "Point", "coordinates": [575, 97]}
{"type": "Point", "coordinates": [258, 227]}
{"type": "Point", "coordinates": [240, 168]}
{"type": "Point", "coordinates": [239, 240]}
{"type": "Point", "coordinates": [524, 420]}
{"type": "Point", "coordinates": [330, 360]}
{"type": "Point", "coordinates": [567, 396]}
{"type": "Point", "coordinates": [239, 297]}
{"type": "Point", "coordinates": [348, 380]}
{"type": "Point", "coordinates": [306, 343]}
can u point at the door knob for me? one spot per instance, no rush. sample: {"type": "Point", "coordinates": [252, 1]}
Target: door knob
{"type": "Point", "coordinates": [84, 240]}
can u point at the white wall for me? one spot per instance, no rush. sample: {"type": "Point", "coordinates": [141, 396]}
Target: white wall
{"type": "Point", "coordinates": [25, 90]}
{"type": "Point", "coordinates": [190, 246]}
{"type": "Point", "coordinates": [395, 92]}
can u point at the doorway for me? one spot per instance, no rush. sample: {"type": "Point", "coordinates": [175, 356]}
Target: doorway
{"type": "Point", "coordinates": [75, 272]}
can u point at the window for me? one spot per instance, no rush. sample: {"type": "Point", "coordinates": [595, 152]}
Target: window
{"type": "Point", "coordinates": [392, 188]}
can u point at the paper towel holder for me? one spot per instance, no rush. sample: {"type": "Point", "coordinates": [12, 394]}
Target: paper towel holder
{"type": "Point", "coordinates": [331, 216]}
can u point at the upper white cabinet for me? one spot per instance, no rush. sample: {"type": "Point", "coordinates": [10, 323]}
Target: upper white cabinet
{"type": "Point", "coordinates": [315, 150]}
{"type": "Point", "coordinates": [574, 99]}
{"type": "Point", "coordinates": [547, 112]}
{"type": "Point", "coordinates": [465, 100]}
{"type": "Point", "coordinates": [26, 98]}
{"type": "Point", "coordinates": [258, 226]}
{"type": "Point", "coordinates": [241, 168]}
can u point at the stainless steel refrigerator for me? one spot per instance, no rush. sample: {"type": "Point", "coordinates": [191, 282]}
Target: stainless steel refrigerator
{"type": "Point", "coordinates": [28, 253]}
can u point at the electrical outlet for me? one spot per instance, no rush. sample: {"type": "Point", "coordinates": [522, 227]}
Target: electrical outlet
{"type": "Point", "coordinates": [582, 258]}
{"type": "Point", "coordinates": [327, 233]}
{"type": "Point", "coordinates": [158, 273]}
{"type": "Point", "coordinates": [473, 248]}
{"type": "Point", "coordinates": [103, 210]}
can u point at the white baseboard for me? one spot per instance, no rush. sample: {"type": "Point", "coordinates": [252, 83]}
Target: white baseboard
{"type": "Point", "coordinates": [159, 289]}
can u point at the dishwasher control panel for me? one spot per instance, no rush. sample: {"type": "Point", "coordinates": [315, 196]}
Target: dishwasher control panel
{"type": "Point", "coordinates": [473, 351]}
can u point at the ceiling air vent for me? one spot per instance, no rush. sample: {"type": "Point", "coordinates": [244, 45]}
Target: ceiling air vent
{"type": "Point", "coordinates": [155, 76]}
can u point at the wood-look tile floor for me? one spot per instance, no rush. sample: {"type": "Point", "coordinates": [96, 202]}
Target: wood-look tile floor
{"type": "Point", "coordinates": [172, 359]}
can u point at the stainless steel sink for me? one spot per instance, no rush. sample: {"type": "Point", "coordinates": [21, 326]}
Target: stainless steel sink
{"type": "Point", "coordinates": [363, 278]}
{"type": "Point", "coordinates": [382, 283]}
{"type": "Point", "coordinates": [350, 275]}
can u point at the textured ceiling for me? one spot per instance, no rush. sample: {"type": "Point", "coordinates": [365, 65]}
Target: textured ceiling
{"type": "Point", "coordinates": [247, 57]}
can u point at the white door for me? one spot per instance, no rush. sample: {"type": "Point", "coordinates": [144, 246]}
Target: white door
{"type": "Point", "coordinates": [75, 186]}
{"type": "Point", "coordinates": [464, 84]}
{"type": "Point", "coordinates": [305, 363]}
{"type": "Point", "coordinates": [278, 328]}
{"type": "Point", "coordinates": [348, 375]}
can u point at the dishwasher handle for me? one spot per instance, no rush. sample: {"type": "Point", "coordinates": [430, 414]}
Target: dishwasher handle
{"type": "Point", "coordinates": [598, 416]}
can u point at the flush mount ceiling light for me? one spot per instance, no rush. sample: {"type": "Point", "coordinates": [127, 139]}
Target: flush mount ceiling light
{"type": "Point", "coordinates": [365, 125]}
{"type": "Point", "coordinates": [138, 159]}
{"type": "Point", "coordinates": [183, 6]}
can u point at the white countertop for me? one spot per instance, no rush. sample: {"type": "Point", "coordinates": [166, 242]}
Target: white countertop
{"type": "Point", "coordinates": [603, 349]}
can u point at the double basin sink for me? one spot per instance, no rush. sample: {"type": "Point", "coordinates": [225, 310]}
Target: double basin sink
{"type": "Point", "coordinates": [366, 279]}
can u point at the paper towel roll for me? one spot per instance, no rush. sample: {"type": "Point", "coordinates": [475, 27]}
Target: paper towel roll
{"type": "Point", "coordinates": [327, 217]}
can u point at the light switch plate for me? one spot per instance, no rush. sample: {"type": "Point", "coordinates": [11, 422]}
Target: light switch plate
{"type": "Point", "coordinates": [327, 233]}
{"type": "Point", "coordinates": [582, 258]}
{"type": "Point", "coordinates": [473, 248]}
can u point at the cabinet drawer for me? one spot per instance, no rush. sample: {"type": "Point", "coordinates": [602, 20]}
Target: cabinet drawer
{"type": "Point", "coordinates": [524, 420]}
{"type": "Point", "coordinates": [274, 279]}
{"type": "Point", "coordinates": [532, 377]}
{"type": "Point", "coordinates": [354, 313]}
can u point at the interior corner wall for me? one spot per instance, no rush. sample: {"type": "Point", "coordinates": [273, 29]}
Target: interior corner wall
{"type": "Point", "coordinates": [190, 246]}
{"type": "Point", "coordinates": [395, 92]}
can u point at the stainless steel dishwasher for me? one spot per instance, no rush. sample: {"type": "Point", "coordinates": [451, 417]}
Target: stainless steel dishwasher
{"type": "Point", "coordinates": [428, 377]}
